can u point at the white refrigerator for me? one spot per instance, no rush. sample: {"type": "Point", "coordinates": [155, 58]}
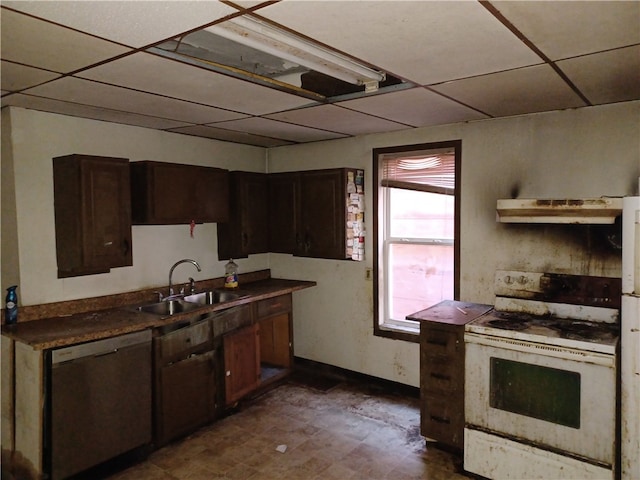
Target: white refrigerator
{"type": "Point", "coordinates": [630, 341]}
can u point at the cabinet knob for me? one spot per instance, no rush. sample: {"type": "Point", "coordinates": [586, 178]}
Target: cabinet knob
{"type": "Point", "coordinates": [228, 373]}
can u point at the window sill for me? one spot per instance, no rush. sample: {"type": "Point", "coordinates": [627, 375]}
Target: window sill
{"type": "Point", "coordinates": [398, 332]}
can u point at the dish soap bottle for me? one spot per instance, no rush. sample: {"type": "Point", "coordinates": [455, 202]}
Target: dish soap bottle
{"type": "Point", "coordinates": [11, 306]}
{"type": "Point", "coordinates": [231, 274]}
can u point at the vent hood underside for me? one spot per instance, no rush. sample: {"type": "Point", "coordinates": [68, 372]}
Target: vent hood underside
{"type": "Point", "coordinates": [599, 211]}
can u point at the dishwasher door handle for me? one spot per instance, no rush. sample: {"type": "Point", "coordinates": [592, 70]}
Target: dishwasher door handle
{"type": "Point", "coordinates": [115, 350]}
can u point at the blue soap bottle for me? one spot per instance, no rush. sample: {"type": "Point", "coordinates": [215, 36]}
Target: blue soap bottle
{"type": "Point", "coordinates": [11, 306]}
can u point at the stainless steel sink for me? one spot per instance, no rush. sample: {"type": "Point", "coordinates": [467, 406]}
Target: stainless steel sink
{"type": "Point", "coordinates": [169, 307]}
{"type": "Point", "coordinates": [213, 296]}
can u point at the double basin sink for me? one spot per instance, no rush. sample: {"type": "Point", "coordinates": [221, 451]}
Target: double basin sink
{"type": "Point", "coordinates": [191, 302]}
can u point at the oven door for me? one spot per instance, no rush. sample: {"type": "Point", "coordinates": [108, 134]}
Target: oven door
{"type": "Point", "coordinates": [552, 397]}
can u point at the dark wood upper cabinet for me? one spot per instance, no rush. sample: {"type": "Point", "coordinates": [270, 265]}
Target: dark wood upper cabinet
{"type": "Point", "coordinates": [323, 207]}
{"type": "Point", "coordinates": [308, 215]}
{"type": "Point", "coordinates": [304, 213]}
{"type": "Point", "coordinates": [284, 210]}
{"type": "Point", "coordinates": [247, 230]}
{"type": "Point", "coordinates": [170, 193]}
{"type": "Point", "coordinates": [92, 214]}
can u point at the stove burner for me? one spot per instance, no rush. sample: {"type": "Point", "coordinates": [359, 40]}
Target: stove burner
{"type": "Point", "coordinates": [506, 324]}
{"type": "Point", "coordinates": [582, 330]}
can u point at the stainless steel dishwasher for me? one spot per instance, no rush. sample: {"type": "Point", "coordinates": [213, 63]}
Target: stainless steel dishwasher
{"type": "Point", "coordinates": [100, 402]}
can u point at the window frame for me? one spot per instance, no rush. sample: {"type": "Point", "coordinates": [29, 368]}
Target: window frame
{"type": "Point", "coordinates": [409, 332]}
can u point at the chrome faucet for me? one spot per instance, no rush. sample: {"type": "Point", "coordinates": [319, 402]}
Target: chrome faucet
{"type": "Point", "coordinates": [185, 260]}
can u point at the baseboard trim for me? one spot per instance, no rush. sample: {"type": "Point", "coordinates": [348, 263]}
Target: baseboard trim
{"type": "Point", "coordinates": [313, 367]}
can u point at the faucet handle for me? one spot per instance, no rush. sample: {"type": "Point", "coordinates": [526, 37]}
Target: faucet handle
{"type": "Point", "coordinates": [159, 296]}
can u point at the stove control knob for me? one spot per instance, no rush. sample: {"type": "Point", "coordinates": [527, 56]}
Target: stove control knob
{"type": "Point", "coordinates": [508, 280]}
{"type": "Point", "coordinates": [522, 280]}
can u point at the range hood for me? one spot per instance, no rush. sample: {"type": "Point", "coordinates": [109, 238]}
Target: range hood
{"type": "Point", "coordinates": [600, 211]}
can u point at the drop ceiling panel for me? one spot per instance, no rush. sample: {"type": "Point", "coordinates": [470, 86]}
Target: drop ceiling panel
{"type": "Point", "coordinates": [144, 71]}
{"type": "Point", "coordinates": [338, 119]}
{"type": "Point", "coordinates": [275, 129]}
{"type": "Point", "coordinates": [88, 92]}
{"type": "Point", "coordinates": [16, 77]}
{"type": "Point", "coordinates": [606, 77]}
{"type": "Point", "coordinates": [567, 29]}
{"type": "Point", "coordinates": [231, 136]}
{"type": "Point", "coordinates": [417, 107]}
{"type": "Point", "coordinates": [132, 23]}
{"type": "Point", "coordinates": [33, 42]}
{"type": "Point", "coordinates": [531, 89]}
{"type": "Point", "coordinates": [458, 48]}
{"type": "Point", "coordinates": [84, 111]}
{"type": "Point", "coordinates": [424, 42]}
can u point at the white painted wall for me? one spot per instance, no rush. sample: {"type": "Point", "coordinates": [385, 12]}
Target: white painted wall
{"type": "Point", "coordinates": [36, 138]}
{"type": "Point", "coordinates": [576, 153]}
{"type": "Point", "coordinates": [589, 152]}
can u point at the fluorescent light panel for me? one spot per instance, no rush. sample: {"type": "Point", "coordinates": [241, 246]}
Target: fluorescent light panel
{"type": "Point", "coordinates": [261, 36]}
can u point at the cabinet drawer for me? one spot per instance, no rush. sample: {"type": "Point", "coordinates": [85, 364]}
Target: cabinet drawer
{"type": "Point", "coordinates": [443, 420]}
{"type": "Point", "coordinates": [182, 342]}
{"type": "Point", "coordinates": [442, 374]}
{"type": "Point", "coordinates": [231, 319]}
{"type": "Point", "coordinates": [440, 342]}
{"type": "Point", "coordinates": [274, 306]}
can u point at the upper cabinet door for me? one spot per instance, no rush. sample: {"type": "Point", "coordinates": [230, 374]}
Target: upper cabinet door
{"type": "Point", "coordinates": [247, 230]}
{"type": "Point", "coordinates": [170, 193]}
{"type": "Point", "coordinates": [323, 214]}
{"type": "Point", "coordinates": [92, 214]}
{"type": "Point", "coordinates": [284, 212]}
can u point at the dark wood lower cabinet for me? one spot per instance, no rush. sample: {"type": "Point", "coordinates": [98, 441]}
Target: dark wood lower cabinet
{"type": "Point", "coordinates": [275, 341]}
{"type": "Point", "coordinates": [185, 381]}
{"type": "Point", "coordinates": [212, 363]}
{"type": "Point", "coordinates": [442, 369]}
{"type": "Point", "coordinates": [242, 362]}
{"type": "Point", "coordinates": [188, 391]}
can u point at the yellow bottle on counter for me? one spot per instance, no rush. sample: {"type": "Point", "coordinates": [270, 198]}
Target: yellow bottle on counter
{"type": "Point", "coordinates": [231, 274]}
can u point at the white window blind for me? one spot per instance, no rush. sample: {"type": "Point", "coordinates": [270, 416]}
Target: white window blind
{"type": "Point", "coordinates": [433, 173]}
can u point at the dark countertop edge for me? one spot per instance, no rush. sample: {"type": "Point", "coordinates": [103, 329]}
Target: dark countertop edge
{"type": "Point", "coordinates": [45, 333]}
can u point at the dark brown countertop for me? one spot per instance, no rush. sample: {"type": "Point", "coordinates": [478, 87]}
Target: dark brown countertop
{"type": "Point", "coordinates": [451, 312]}
{"type": "Point", "coordinates": [63, 330]}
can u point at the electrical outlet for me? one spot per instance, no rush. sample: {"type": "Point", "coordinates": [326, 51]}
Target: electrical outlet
{"type": "Point", "coordinates": [368, 273]}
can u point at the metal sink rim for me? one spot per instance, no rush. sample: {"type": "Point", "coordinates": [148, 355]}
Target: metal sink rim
{"type": "Point", "coordinates": [168, 307]}
{"type": "Point", "coordinates": [215, 293]}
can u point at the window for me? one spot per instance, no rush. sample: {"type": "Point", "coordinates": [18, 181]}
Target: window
{"type": "Point", "coordinates": [416, 221]}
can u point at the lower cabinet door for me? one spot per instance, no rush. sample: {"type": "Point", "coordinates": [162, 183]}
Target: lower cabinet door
{"type": "Point", "coordinates": [241, 362]}
{"type": "Point", "coordinates": [275, 341]}
{"type": "Point", "coordinates": [187, 392]}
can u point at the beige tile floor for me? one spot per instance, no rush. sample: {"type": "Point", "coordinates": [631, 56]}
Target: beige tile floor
{"type": "Point", "coordinates": [351, 431]}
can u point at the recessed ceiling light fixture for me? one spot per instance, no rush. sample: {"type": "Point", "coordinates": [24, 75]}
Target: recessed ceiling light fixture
{"type": "Point", "coordinates": [254, 33]}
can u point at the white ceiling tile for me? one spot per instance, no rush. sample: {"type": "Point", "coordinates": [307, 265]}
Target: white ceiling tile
{"type": "Point", "coordinates": [275, 129]}
{"type": "Point", "coordinates": [16, 77]}
{"type": "Point", "coordinates": [84, 111]}
{"type": "Point", "coordinates": [606, 77]}
{"type": "Point", "coordinates": [231, 136]}
{"type": "Point", "coordinates": [33, 42]}
{"type": "Point", "coordinates": [417, 107]}
{"type": "Point", "coordinates": [425, 42]}
{"type": "Point", "coordinates": [133, 23]}
{"type": "Point", "coordinates": [88, 92]}
{"type": "Point", "coordinates": [566, 29]}
{"type": "Point", "coordinates": [525, 90]}
{"type": "Point", "coordinates": [338, 119]}
{"type": "Point", "coordinates": [147, 72]}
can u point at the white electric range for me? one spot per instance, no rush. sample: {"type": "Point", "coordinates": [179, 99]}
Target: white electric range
{"type": "Point", "coordinates": [540, 379]}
